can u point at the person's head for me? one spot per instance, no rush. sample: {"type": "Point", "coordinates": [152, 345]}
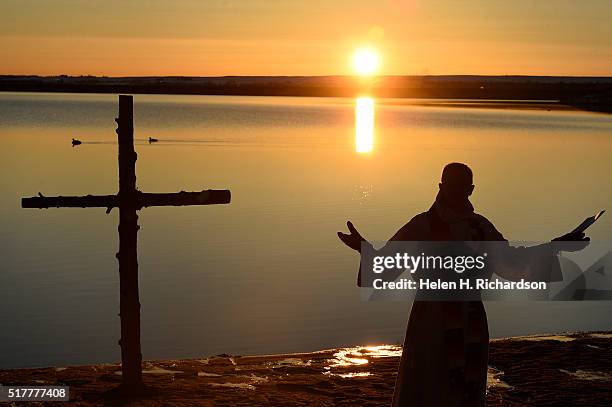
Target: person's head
{"type": "Point", "coordinates": [456, 184]}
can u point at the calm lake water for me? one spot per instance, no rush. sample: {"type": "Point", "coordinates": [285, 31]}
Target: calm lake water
{"type": "Point", "coordinates": [267, 274]}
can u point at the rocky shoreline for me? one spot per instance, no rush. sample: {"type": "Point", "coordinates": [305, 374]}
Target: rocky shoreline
{"type": "Point", "coordinates": [547, 370]}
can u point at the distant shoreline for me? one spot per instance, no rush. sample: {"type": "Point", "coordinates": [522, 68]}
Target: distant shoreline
{"type": "Point", "coordinates": [586, 93]}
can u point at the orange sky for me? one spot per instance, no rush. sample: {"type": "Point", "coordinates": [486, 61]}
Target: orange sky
{"type": "Point", "coordinates": [248, 37]}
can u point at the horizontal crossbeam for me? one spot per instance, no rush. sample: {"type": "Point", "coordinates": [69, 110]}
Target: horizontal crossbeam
{"type": "Point", "coordinates": [206, 197]}
{"type": "Point", "coordinates": [87, 201]}
{"type": "Point", "coordinates": [142, 200]}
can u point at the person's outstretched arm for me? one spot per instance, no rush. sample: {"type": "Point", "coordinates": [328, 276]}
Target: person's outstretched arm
{"type": "Point", "coordinates": [409, 232]}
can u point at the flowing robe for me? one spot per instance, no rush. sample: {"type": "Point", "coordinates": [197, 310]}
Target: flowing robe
{"type": "Point", "coordinates": [445, 351]}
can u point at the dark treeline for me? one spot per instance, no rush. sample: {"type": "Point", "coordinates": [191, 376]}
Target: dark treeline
{"type": "Point", "coordinates": [593, 93]}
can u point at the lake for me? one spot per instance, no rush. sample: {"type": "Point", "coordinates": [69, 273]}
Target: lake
{"type": "Point", "coordinates": [267, 273]}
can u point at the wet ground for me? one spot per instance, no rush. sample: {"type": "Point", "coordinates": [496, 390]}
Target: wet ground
{"type": "Point", "coordinates": [570, 369]}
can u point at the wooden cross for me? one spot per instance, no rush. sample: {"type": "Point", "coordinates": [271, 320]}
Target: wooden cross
{"type": "Point", "coordinates": [129, 200]}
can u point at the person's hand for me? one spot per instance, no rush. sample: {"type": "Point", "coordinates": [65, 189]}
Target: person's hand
{"type": "Point", "coordinates": [352, 240]}
{"type": "Point", "coordinates": [572, 242]}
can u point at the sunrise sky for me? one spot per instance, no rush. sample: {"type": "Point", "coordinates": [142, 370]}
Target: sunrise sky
{"type": "Point", "coordinates": [315, 37]}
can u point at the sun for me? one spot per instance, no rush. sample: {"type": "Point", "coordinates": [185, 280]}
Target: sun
{"type": "Point", "coordinates": [366, 61]}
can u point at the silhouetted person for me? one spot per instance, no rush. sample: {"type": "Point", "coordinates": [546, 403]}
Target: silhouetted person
{"type": "Point", "coordinates": [445, 353]}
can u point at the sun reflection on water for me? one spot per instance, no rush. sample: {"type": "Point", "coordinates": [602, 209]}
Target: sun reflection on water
{"type": "Point", "coordinates": [364, 124]}
{"type": "Point", "coordinates": [358, 356]}
{"type": "Point", "coordinates": [353, 362]}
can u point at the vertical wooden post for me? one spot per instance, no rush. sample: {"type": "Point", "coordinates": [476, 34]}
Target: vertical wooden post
{"type": "Point", "coordinates": [131, 357]}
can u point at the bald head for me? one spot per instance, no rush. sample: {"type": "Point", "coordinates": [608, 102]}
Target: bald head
{"type": "Point", "coordinates": [456, 184]}
{"type": "Point", "coordinates": [457, 173]}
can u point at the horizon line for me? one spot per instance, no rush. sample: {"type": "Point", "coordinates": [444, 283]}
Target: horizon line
{"type": "Point", "coordinates": [309, 76]}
